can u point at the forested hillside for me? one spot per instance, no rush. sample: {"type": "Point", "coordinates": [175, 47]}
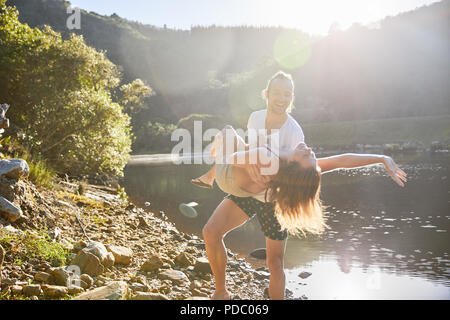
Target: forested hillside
{"type": "Point", "coordinates": [398, 68]}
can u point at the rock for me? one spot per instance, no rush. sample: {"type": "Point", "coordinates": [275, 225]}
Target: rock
{"type": "Point", "coordinates": [14, 168]}
{"type": "Point", "coordinates": [121, 255]}
{"type": "Point", "coordinates": [176, 276]}
{"type": "Point", "coordinates": [266, 293]}
{"type": "Point", "coordinates": [109, 261]}
{"type": "Point", "coordinates": [84, 285]}
{"type": "Point", "coordinates": [87, 280]}
{"type": "Point", "coordinates": [195, 285]}
{"type": "Point", "coordinates": [304, 274]}
{"type": "Point", "coordinates": [75, 290]}
{"type": "Point", "coordinates": [43, 277]}
{"type": "Point", "coordinates": [7, 188]}
{"type": "Point", "coordinates": [142, 223]}
{"type": "Point", "coordinates": [152, 264]}
{"type": "Point", "coordinates": [135, 286]}
{"type": "Point", "coordinates": [32, 290]}
{"type": "Point", "coordinates": [55, 292]}
{"type": "Point", "coordinates": [184, 259]}
{"type": "Point", "coordinates": [197, 244]}
{"type": "Point", "coordinates": [88, 263]}
{"type": "Point", "coordinates": [261, 275]}
{"type": "Point", "coordinates": [80, 245]}
{"type": "Point", "coordinates": [197, 298]}
{"type": "Point", "coordinates": [202, 265]}
{"type": "Point", "coordinates": [61, 276]}
{"type": "Point", "coordinates": [27, 277]}
{"type": "Point", "coordinates": [262, 269]}
{"type": "Point", "coordinates": [233, 265]}
{"type": "Point", "coordinates": [15, 290]}
{"type": "Point", "coordinates": [149, 296]}
{"type": "Point", "coordinates": [116, 290]}
{"type": "Point", "coordinates": [12, 230]}
{"type": "Point", "coordinates": [259, 253]}
{"type": "Point", "coordinates": [99, 250]}
{"type": "Point", "coordinates": [9, 281]}
{"type": "Point", "coordinates": [12, 212]}
{"type": "Point", "coordinates": [199, 293]}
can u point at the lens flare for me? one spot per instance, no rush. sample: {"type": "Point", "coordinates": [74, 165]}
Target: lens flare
{"type": "Point", "coordinates": [292, 49]}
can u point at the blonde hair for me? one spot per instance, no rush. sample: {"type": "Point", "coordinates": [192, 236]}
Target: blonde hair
{"type": "Point", "coordinates": [280, 75]}
{"type": "Point", "coordinates": [295, 191]}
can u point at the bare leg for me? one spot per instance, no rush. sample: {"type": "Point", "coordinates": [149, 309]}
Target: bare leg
{"type": "Point", "coordinates": [225, 218]}
{"type": "Point", "coordinates": [220, 140]}
{"type": "Point", "coordinates": [274, 261]}
{"type": "Point", "coordinates": [206, 180]}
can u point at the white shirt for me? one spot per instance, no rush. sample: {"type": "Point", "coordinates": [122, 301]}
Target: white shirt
{"type": "Point", "coordinates": [290, 135]}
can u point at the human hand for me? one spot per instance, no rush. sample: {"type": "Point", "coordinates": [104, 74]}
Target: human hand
{"type": "Point", "coordinates": [397, 174]}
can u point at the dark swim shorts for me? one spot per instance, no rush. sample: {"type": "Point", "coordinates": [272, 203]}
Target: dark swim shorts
{"type": "Point", "coordinates": [265, 212]}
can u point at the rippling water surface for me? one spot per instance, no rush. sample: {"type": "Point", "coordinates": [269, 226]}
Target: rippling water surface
{"type": "Point", "coordinates": [384, 241]}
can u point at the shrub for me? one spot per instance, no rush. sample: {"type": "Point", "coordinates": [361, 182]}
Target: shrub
{"type": "Point", "coordinates": [60, 92]}
{"type": "Point", "coordinates": [34, 245]}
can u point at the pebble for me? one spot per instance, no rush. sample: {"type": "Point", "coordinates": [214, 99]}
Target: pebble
{"type": "Point", "coordinates": [149, 296]}
{"type": "Point", "coordinates": [145, 250]}
{"type": "Point", "coordinates": [304, 274]}
{"type": "Point", "coordinates": [32, 290]}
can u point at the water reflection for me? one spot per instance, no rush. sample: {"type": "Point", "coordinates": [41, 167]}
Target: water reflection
{"type": "Point", "coordinates": [329, 282]}
{"type": "Point", "coordinates": [373, 222]}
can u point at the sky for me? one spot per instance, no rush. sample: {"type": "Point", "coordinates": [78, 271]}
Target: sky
{"type": "Point", "coordinates": [313, 16]}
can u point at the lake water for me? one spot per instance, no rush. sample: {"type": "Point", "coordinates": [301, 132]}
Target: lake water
{"type": "Point", "coordinates": [384, 241]}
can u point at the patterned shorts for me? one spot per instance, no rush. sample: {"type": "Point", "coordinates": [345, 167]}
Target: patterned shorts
{"type": "Point", "coordinates": [265, 213]}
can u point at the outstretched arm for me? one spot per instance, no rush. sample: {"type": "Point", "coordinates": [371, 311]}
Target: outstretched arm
{"type": "Point", "coordinates": [353, 160]}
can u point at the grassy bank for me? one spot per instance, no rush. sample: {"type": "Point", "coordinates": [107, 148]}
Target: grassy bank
{"type": "Point", "coordinates": [398, 130]}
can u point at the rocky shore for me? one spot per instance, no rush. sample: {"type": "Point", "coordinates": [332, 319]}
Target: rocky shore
{"type": "Point", "coordinates": [114, 249]}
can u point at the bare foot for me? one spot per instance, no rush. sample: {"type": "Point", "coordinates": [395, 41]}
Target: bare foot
{"type": "Point", "coordinates": [205, 181]}
{"type": "Point", "coordinates": [221, 295]}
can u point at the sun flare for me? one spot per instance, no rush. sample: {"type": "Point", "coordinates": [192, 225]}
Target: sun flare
{"type": "Point", "coordinates": [316, 17]}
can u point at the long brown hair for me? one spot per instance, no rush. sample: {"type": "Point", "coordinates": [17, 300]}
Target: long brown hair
{"type": "Point", "coordinates": [295, 191]}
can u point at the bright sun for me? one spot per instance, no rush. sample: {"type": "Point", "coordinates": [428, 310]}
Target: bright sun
{"type": "Point", "coordinates": [316, 17]}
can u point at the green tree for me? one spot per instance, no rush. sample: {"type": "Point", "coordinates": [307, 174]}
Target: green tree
{"type": "Point", "coordinates": [60, 93]}
{"type": "Point", "coordinates": [132, 95]}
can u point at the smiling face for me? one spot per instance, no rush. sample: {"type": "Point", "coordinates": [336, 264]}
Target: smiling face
{"type": "Point", "coordinates": [279, 96]}
{"type": "Point", "coordinates": [304, 156]}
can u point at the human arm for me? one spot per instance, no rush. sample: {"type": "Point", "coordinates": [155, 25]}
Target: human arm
{"type": "Point", "coordinates": [353, 160]}
{"type": "Point", "coordinates": [251, 157]}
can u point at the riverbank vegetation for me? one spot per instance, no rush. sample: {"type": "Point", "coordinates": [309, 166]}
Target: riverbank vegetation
{"type": "Point", "coordinates": [67, 105]}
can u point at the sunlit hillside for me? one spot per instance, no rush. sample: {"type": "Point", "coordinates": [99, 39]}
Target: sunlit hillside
{"type": "Point", "coordinates": [398, 67]}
